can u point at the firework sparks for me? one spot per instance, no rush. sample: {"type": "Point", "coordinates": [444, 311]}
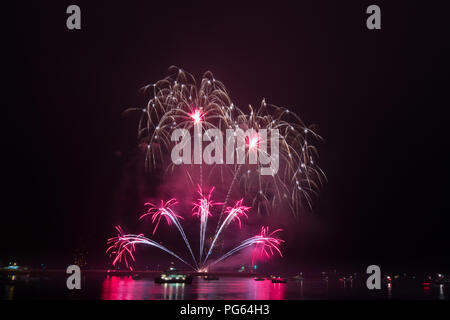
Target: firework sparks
{"type": "Point", "coordinates": [202, 210]}
{"type": "Point", "coordinates": [253, 142]}
{"type": "Point", "coordinates": [165, 210]}
{"type": "Point", "coordinates": [197, 116]}
{"type": "Point", "coordinates": [265, 243]}
{"type": "Point", "coordinates": [178, 102]}
{"type": "Point", "coordinates": [122, 246]}
{"type": "Point", "coordinates": [233, 213]}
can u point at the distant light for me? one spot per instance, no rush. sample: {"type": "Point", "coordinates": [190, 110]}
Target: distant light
{"type": "Point", "coordinates": [14, 267]}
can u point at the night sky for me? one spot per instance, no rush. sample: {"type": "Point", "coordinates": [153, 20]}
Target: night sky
{"type": "Point", "coordinates": [380, 99]}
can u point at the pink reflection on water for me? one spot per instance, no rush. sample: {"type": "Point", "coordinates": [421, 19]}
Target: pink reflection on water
{"type": "Point", "coordinates": [173, 291]}
{"type": "Point", "coordinates": [238, 289]}
{"type": "Point", "coordinates": [266, 290]}
{"type": "Point", "coordinates": [125, 288]}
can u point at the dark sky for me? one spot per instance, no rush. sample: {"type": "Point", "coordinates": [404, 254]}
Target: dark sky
{"type": "Point", "coordinates": [380, 100]}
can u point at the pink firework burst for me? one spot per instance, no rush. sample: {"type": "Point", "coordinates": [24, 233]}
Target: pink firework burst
{"type": "Point", "coordinates": [203, 204]}
{"type": "Point", "coordinates": [266, 244]}
{"type": "Point", "coordinates": [253, 142]}
{"type": "Point", "coordinates": [163, 210]}
{"type": "Point", "coordinates": [196, 115]}
{"type": "Point", "coordinates": [202, 210]}
{"type": "Point", "coordinates": [121, 248]}
{"type": "Point", "coordinates": [237, 211]}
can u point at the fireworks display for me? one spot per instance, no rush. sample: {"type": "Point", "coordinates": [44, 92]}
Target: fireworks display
{"type": "Point", "coordinates": [202, 210]}
{"type": "Point", "coordinates": [265, 245]}
{"type": "Point", "coordinates": [178, 103]}
{"type": "Point", "coordinates": [165, 210]}
{"type": "Point", "coordinates": [233, 213]}
{"type": "Point", "coordinates": [123, 245]}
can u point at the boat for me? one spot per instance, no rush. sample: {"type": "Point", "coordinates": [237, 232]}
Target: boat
{"type": "Point", "coordinates": [173, 276]}
{"type": "Point", "coordinates": [279, 280]}
{"type": "Point", "coordinates": [259, 279]}
{"type": "Point", "coordinates": [210, 277]}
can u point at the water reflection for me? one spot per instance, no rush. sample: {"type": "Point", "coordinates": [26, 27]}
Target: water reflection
{"type": "Point", "coordinates": [227, 288]}
{"type": "Point", "coordinates": [265, 290]}
{"type": "Point", "coordinates": [118, 288]}
{"type": "Point", "coordinates": [8, 292]}
{"type": "Point", "coordinates": [173, 291]}
{"type": "Point", "coordinates": [441, 292]}
{"type": "Point", "coordinates": [125, 288]}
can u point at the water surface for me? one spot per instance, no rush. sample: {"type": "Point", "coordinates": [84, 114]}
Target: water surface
{"type": "Point", "coordinates": [226, 288]}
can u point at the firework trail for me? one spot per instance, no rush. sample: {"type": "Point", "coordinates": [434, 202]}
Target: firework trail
{"type": "Point", "coordinates": [234, 212]}
{"type": "Point", "coordinates": [252, 143]}
{"type": "Point", "coordinates": [123, 246]}
{"type": "Point", "coordinates": [202, 210]}
{"type": "Point", "coordinates": [266, 243]}
{"type": "Point", "coordinates": [165, 210]}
